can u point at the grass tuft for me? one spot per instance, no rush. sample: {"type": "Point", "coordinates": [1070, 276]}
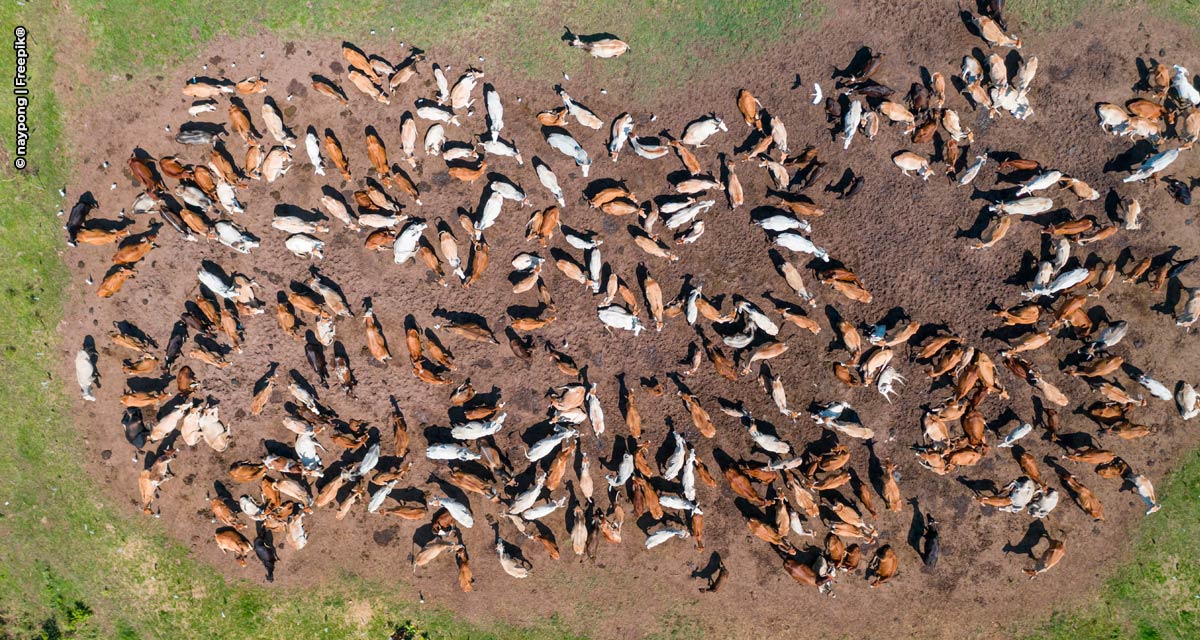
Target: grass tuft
{"type": "Point", "coordinates": [1037, 16]}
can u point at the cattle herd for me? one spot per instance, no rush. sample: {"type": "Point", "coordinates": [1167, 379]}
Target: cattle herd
{"type": "Point", "coordinates": [569, 473]}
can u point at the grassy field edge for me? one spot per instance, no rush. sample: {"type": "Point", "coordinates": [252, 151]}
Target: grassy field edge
{"type": "Point", "coordinates": [71, 568]}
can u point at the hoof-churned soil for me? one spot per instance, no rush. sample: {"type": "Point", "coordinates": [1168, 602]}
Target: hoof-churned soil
{"type": "Point", "coordinates": [907, 239]}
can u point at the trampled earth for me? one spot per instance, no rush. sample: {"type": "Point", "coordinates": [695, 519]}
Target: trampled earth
{"type": "Point", "coordinates": [907, 239]}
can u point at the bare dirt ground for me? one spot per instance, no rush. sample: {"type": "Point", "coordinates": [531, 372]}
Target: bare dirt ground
{"type": "Point", "coordinates": [900, 235]}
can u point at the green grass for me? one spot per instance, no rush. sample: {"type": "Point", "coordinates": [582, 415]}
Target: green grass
{"type": "Point", "coordinates": [671, 41]}
{"type": "Point", "coordinates": [1045, 15]}
{"type": "Point", "coordinates": [168, 32]}
{"type": "Point", "coordinates": [1037, 16]}
{"type": "Point", "coordinates": [1157, 595]}
{"type": "Point", "coordinates": [679, 623]}
{"type": "Point", "coordinates": [71, 568]}
{"type": "Point", "coordinates": [1185, 12]}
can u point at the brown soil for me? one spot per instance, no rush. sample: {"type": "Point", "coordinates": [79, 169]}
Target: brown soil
{"type": "Point", "coordinates": [900, 235]}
